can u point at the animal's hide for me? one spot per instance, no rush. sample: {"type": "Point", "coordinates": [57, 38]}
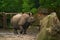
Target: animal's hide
{"type": "Point", "coordinates": [20, 19]}
{"type": "Point", "coordinates": [15, 18]}
{"type": "Point", "coordinates": [23, 19]}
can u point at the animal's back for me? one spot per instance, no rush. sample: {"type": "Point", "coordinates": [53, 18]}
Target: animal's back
{"type": "Point", "coordinates": [23, 19]}
{"type": "Point", "coordinates": [15, 18]}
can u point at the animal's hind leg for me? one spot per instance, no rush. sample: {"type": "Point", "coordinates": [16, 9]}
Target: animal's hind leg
{"type": "Point", "coordinates": [21, 29]}
{"type": "Point", "coordinates": [24, 30]}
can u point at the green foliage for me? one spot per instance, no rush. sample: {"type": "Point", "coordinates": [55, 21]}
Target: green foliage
{"type": "Point", "coordinates": [10, 6]}
{"type": "Point", "coordinates": [18, 5]}
{"type": "Point", "coordinates": [25, 6]}
{"type": "Point", "coordinates": [51, 4]}
{"type": "Point", "coordinates": [29, 5]}
{"type": "Point", "coordinates": [34, 10]}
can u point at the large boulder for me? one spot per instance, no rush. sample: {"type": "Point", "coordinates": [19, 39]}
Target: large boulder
{"type": "Point", "coordinates": [50, 28]}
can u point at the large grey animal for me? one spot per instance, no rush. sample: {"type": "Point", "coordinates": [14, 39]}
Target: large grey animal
{"type": "Point", "coordinates": [22, 22]}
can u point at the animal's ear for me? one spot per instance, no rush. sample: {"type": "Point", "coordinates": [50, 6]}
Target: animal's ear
{"type": "Point", "coordinates": [30, 13]}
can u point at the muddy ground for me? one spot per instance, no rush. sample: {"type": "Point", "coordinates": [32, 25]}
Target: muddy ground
{"type": "Point", "coordinates": [9, 35]}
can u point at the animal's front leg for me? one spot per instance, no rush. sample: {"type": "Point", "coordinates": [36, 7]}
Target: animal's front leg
{"type": "Point", "coordinates": [25, 27]}
{"type": "Point", "coordinates": [15, 31]}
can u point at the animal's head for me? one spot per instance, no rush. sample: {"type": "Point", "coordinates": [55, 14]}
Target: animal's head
{"type": "Point", "coordinates": [31, 19]}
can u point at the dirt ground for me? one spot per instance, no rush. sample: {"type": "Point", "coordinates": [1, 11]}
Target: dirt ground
{"type": "Point", "coordinates": [17, 37]}
{"type": "Point", "coordinates": [9, 35]}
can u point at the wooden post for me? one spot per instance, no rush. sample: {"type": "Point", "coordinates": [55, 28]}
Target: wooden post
{"type": "Point", "coordinates": [1, 22]}
{"type": "Point", "coordinates": [4, 21]}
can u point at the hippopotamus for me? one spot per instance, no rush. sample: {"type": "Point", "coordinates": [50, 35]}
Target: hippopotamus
{"type": "Point", "coordinates": [21, 22]}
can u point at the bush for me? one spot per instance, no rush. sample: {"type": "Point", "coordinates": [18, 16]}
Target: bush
{"type": "Point", "coordinates": [34, 10]}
